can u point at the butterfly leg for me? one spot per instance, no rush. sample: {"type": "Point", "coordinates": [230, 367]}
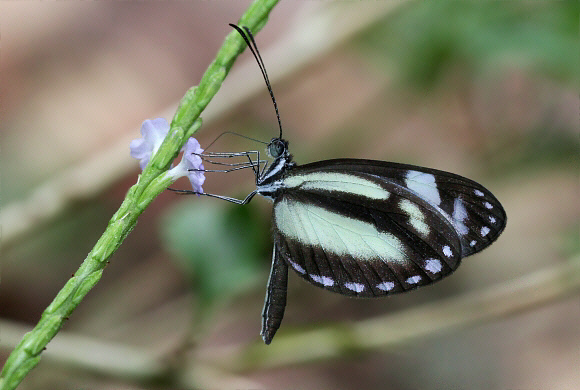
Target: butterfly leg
{"type": "Point", "coordinates": [275, 302]}
{"type": "Point", "coordinates": [236, 168]}
{"type": "Point", "coordinates": [254, 164]}
{"type": "Point", "coordinates": [246, 200]}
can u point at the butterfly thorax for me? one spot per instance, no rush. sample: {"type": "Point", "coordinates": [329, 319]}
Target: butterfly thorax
{"type": "Point", "coordinates": [271, 181]}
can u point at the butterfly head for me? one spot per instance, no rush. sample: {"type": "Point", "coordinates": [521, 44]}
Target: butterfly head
{"type": "Point", "coordinates": [278, 147]}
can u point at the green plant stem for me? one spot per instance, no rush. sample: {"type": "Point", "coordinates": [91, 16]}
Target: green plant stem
{"type": "Point", "coordinates": [151, 183]}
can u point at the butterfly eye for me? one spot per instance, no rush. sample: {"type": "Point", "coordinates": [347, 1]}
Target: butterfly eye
{"type": "Point", "coordinates": [277, 147]}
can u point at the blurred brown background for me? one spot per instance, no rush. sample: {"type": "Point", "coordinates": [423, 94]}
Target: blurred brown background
{"type": "Point", "coordinates": [488, 91]}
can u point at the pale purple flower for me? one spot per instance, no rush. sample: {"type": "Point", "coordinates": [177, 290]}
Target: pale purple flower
{"type": "Point", "coordinates": [191, 165]}
{"type": "Point", "coordinates": [194, 164]}
{"type": "Point", "coordinates": [153, 132]}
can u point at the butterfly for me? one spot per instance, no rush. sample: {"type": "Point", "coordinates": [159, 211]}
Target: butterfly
{"type": "Point", "coordinates": [364, 228]}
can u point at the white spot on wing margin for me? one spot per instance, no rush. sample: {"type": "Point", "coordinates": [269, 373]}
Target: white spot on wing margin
{"type": "Point", "coordinates": [386, 286]}
{"type": "Point", "coordinates": [297, 267]}
{"type": "Point", "coordinates": [324, 280]}
{"type": "Point", "coordinates": [447, 251]}
{"type": "Point", "coordinates": [356, 287]}
{"type": "Point", "coordinates": [433, 265]}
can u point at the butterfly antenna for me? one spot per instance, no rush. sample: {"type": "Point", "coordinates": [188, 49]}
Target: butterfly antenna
{"type": "Point", "coordinates": [254, 49]}
{"type": "Point", "coordinates": [234, 133]}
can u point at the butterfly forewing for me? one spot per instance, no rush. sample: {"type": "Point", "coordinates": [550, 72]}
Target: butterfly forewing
{"type": "Point", "coordinates": [477, 216]}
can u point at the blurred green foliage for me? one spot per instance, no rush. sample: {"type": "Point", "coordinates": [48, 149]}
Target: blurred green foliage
{"type": "Point", "coordinates": [60, 241]}
{"type": "Point", "coordinates": [571, 242]}
{"type": "Point", "coordinates": [545, 147]}
{"type": "Point", "coordinates": [425, 40]}
{"type": "Point", "coordinates": [220, 246]}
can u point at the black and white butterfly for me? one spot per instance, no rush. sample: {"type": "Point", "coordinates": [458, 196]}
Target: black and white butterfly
{"type": "Point", "coordinates": [365, 228]}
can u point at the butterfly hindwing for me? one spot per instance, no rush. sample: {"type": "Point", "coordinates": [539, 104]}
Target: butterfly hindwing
{"type": "Point", "coordinates": [359, 235]}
